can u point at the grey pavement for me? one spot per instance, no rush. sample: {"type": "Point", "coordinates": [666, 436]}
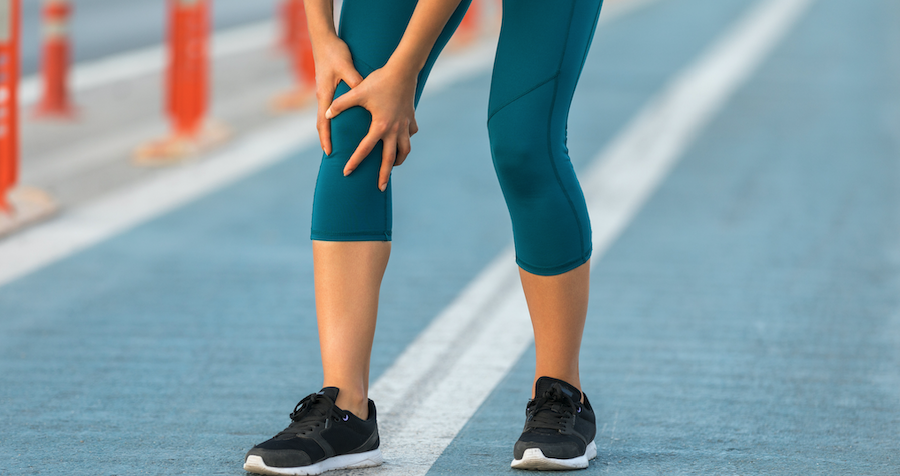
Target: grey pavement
{"type": "Point", "coordinates": [101, 28]}
{"type": "Point", "coordinates": [66, 158]}
{"type": "Point", "coordinates": [745, 322]}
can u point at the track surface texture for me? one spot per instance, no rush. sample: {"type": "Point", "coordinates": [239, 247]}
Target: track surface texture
{"type": "Point", "coordinates": [744, 320]}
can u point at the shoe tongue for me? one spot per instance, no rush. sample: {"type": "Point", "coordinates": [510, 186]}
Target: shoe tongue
{"type": "Point", "coordinates": [330, 392]}
{"type": "Point", "coordinates": [543, 385]}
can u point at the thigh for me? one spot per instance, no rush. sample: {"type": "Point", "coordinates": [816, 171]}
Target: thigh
{"type": "Point", "coordinates": [541, 42]}
{"type": "Point", "coordinates": [372, 30]}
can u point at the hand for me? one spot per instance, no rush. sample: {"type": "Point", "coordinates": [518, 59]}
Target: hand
{"type": "Point", "coordinates": [389, 95]}
{"type": "Point", "coordinates": [333, 65]}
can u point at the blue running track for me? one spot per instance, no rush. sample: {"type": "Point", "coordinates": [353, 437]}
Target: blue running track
{"type": "Point", "coordinates": [746, 322]}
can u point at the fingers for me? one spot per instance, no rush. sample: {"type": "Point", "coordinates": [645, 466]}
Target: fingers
{"type": "Point", "coordinates": [352, 77]}
{"type": "Point", "coordinates": [328, 111]}
{"type": "Point", "coordinates": [395, 149]}
{"type": "Point", "coordinates": [403, 149]}
{"type": "Point", "coordinates": [388, 156]}
{"type": "Point", "coordinates": [323, 125]}
{"type": "Point", "coordinates": [341, 104]}
{"type": "Point", "coordinates": [394, 152]}
{"type": "Point", "coordinates": [362, 151]}
{"type": "Point", "coordinates": [413, 127]}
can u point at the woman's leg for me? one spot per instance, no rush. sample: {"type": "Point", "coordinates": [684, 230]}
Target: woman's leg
{"type": "Point", "coordinates": [541, 52]}
{"type": "Point", "coordinates": [540, 55]}
{"type": "Point", "coordinates": [558, 307]}
{"type": "Point", "coordinates": [348, 279]}
{"type": "Point", "coordinates": [351, 226]}
{"type": "Point", "coordinates": [351, 231]}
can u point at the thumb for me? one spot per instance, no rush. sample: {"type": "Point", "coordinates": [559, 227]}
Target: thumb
{"type": "Point", "coordinates": [352, 77]}
{"type": "Point", "coordinates": [342, 103]}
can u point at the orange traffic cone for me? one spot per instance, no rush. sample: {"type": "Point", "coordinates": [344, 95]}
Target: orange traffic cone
{"type": "Point", "coordinates": [55, 61]}
{"type": "Point", "coordinates": [187, 87]}
{"type": "Point", "coordinates": [300, 54]}
{"type": "Point", "coordinates": [19, 206]}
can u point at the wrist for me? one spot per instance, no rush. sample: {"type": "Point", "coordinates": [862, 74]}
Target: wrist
{"type": "Point", "coordinates": [324, 40]}
{"type": "Point", "coordinates": [403, 68]}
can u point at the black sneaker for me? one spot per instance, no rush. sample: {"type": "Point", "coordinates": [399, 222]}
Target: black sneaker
{"type": "Point", "coordinates": [559, 429]}
{"type": "Point", "coordinates": [321, 437]}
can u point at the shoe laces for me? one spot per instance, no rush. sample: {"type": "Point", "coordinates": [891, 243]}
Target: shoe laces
{"type": "Point", "coordinates": [553, 410]}
{"type": "Point", "coordinates": [312, 412]}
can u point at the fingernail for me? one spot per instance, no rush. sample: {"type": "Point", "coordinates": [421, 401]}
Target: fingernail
{"type": "Point", "coordinates": [328, 113]}
{"type": "Point", "coordinates": [383, 187]}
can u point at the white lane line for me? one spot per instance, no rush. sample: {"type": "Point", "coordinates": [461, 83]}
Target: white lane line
{"type": "Point", "coordinates": [121, 210]}
{"type": "Point", "coordinates": [255, 36]}
{"type": "Point", "coordinates": [136, 63]}
{"type": "Point", "coordinates": [442, 378]}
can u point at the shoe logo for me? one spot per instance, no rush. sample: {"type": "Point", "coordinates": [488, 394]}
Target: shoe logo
{"type": "Point", "coordinates": [346, 417]}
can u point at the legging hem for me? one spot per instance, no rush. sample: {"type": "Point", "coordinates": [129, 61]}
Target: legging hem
{"type": "Point", "coordinates": [364, 236]}
{"type": "Point", "coordinates": [554, 270]}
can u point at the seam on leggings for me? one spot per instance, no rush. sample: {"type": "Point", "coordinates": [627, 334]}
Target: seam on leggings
{"type": "Point", "coordinates": [520, 96]}
{"type": "Point", "coordinates": [550, 133]}
{"type": "Point", "coordinates": [554, 270]}
{"type": "Point", "coordinates": [367, 65]}
{"type": "Point", "coordinates": [352, 233]}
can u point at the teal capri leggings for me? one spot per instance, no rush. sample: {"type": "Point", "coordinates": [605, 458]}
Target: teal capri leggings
{"type": "Point", "coordinates": [542, 48]}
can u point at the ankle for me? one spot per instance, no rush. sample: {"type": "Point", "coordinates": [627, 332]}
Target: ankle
{"type": "Point", "coordinates": [356, 403]}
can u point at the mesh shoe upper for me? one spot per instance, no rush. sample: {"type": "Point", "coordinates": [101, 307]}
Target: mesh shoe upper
{"type": "Point", "coordinates": [319, 430]}
{"type": "Point", "coordinates": [557, 421]}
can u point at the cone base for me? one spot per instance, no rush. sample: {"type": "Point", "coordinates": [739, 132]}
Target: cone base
{"type": "Point", "coordinates": [294, 100]}
{"type": "Point", "coordinates": [28, 205]}
{"type": "Point", "coordinates": [59, 112]}
{"type": "Point", "coordinates": [179, 148]}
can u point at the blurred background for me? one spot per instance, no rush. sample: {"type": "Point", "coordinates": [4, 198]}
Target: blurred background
{"type": "Point", "coordinates": [100, 28]}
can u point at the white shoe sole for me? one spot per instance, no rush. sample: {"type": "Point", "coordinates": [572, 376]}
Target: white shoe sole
{"type": "Point", "coordinates": [534, 459]}
{"type": "Point", "coordinates": [255, 464]}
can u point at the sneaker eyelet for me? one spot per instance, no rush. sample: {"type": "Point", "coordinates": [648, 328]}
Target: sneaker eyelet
{"type": "Point", "coordinates": [579, 409]}
{"type": "Point", "coordinates": [346, 417]}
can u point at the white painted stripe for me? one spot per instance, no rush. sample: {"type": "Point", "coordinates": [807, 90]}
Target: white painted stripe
{"type": "Point", "coordinates": [136, 63]}
{"type": "Point", "coordinates": [232, 41]}
{"type": "Point", "coordinates": [111, 214]}
{"type": "Point", "coordinates": [118, 211]}
{"type": "Point", "coordinates": [121, 210]}
{"type": "Point", "coordinates": [442, 378]}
